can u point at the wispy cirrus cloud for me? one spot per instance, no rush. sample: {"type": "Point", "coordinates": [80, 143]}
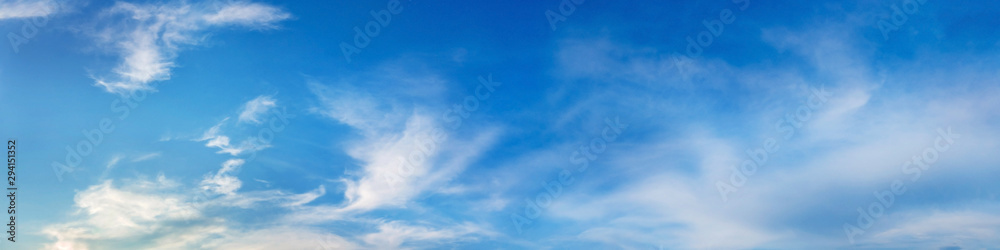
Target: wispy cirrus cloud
{"type": "Point", "coordinates": [11, 9]}
{"type": "Point", "coordinates": [214, 138]}
{"type": "Point", "coordinates": [254, 109]}
{"type": "Point", "coordinates": [972, 227]}
{"type": "Point", "coordinates": [147, 156]}
{"type": "Point", "coordinates": [223, 181]}
{"type": "Point", "coordinates": [854, 145]}
{"type": "Point", "coordinates": [391, 235]}
{"type": "Point", "coordinates": [255, 112]}
{"type": "Point", "coordinates": [254, 15]}
{"type": "Point", "coordinates": [117, 158]}
{"type": "Point", "coordinates": [148, 37]}
{"type": "Point", "coordinates": [405, 150]}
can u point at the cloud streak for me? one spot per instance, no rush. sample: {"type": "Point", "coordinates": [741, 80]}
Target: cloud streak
{"type": "Point", "coordinates": [149, 37]}
{"type": "Point", "coordinates": [14, 9]}
{"type": "Point", "coordinates": [254, 109]}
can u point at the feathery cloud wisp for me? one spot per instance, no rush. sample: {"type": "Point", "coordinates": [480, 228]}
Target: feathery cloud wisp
{"type": "Point", "coordinates": [253, 109]}
{"type": "Point", "coordinates": [148, 37]}
{"type": "Point", "coordinates": [10, 9]}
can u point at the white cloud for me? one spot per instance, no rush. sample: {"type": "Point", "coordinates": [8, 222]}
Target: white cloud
{"type": "Point", "coordinates": [663, 191]}
{"type": "Point", "coordinates": [354, 108]}
{"type": "Point", "coordinates": [247, 14]}
{"type": "Point", "coordinates": [281, 238]}
{"type": "Point", "coordinates": [113, 208]}
{"type": "Point", "coordinates": [114, 212]}
{"type": "Point", "coordinates": [10, 9]}
{"type": "Point", "coordinates": [114, 161]}
{"type": "Point", "coordinates": [158, 215]}
{"type": "Point", "coordinates": [401, 153]}
{"type": "Point", "coordinates": [266, 183]}
{"type": "Point", "coordinates": [215, 139]}
{"type": "Point", "coordinates": [117, 158]}
{"type": "Point", "coordinates": [400, 158]}
{"type": "Point", "coordinates": [387, 180]}
{"type": "Point", "coordinates": [298, 200]}
{"type": "Point", "coordinates": [382, 180]}
{"type": "Point", "coordinates": [392, 235]}
{"type": "Point", "coordinates": [963, 228]}
{"type": "Point", "coordinates": [223, 182]}
{"type": "Point", "coordinates": [253, 109]}
{"type": "Point", "coordinates": [111, 164]}
{"type": "Point", "coordinates": [663, 209]}
{"type": "Point", "coordinates": [148, 37]}
{"type": "Point", "coordinates": [146, 157]}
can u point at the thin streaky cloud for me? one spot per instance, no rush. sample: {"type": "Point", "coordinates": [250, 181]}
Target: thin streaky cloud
{"type": "Point", "coordinates": [254, 109]}
{"type": "Point", "coordinates": [149, 37]}
{"type": "Point", "coordinates": [16, 9]}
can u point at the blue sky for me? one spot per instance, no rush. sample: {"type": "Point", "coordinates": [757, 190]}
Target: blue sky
{"type": "Point", "coordinates": [502, 125]}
